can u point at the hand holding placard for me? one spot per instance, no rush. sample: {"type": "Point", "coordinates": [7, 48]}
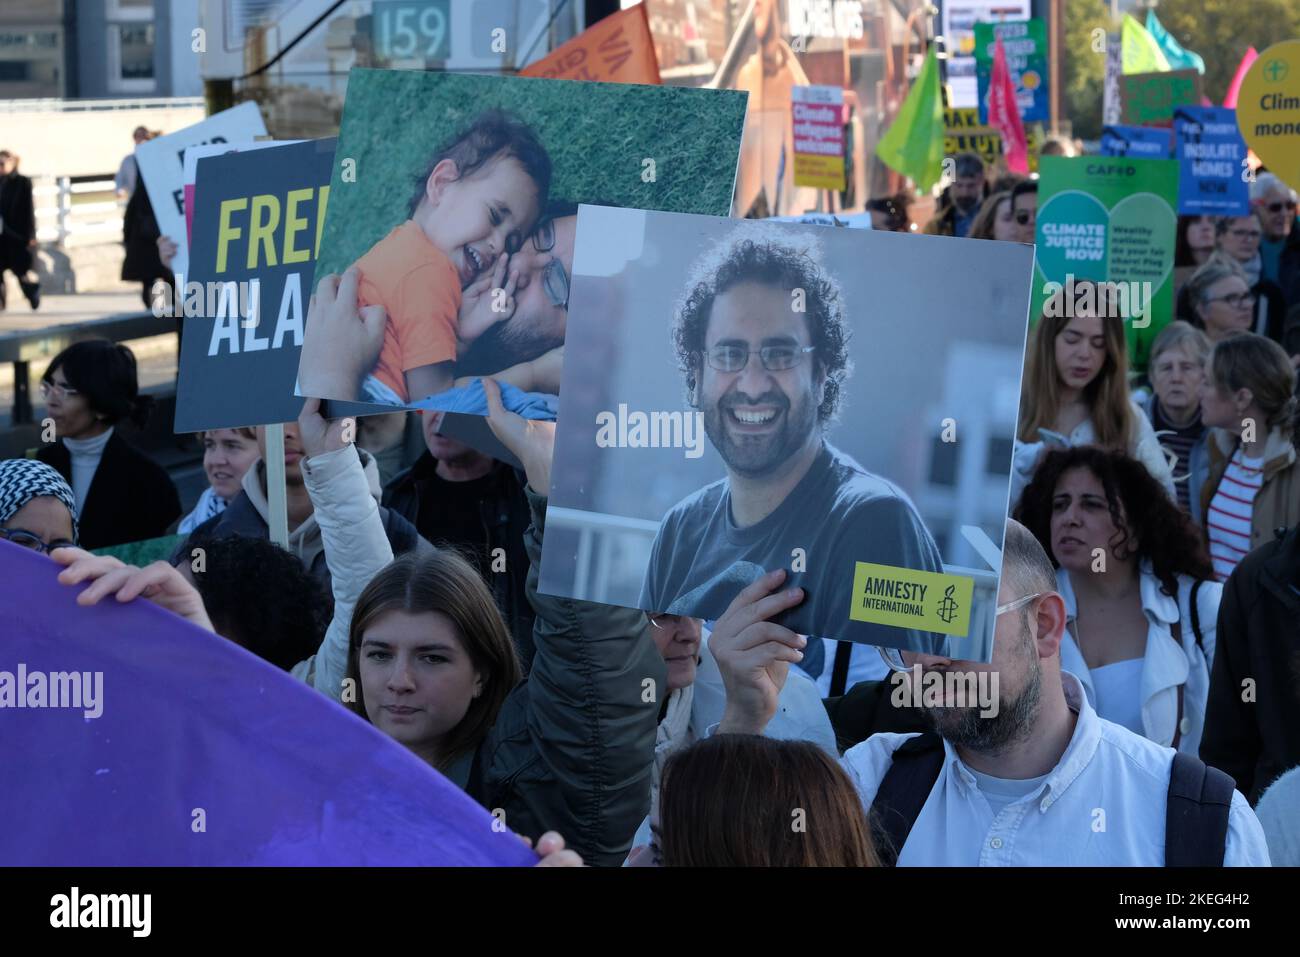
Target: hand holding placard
{"type": "Point", "coordinates": [532, 441]}
{"type": "Point", "coordinates": [159, 583]}
{"type": "Point", "coordinates": [346, 342]}
{"type": "Point", "coordinates": [754, 654]}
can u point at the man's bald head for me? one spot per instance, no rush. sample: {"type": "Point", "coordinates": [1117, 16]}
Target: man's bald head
{"type": "Point", "coordinates": [1025, 564]}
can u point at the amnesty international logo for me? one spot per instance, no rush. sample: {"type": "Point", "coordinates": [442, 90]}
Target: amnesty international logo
{"type": "Point", "coordinates": [907, 598]}
{"type": "Point", "coordinates": [948, 607]}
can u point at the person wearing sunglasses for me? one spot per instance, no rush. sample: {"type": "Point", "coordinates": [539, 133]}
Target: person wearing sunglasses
{"type": "Point", "coordinates": [1275, 203]}
{"type": "Point", "coordinates": [1046, 781]}
{"type": "Point", "coordinates": [37, 508]}
{"type": "Point", "coordinates": [769, 380]}
{"type": "Point", "coordinates": [1024, 209]}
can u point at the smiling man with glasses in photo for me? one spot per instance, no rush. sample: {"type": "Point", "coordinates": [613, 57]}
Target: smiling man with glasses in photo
{"type": "Point", "coordinates": [761, 339]}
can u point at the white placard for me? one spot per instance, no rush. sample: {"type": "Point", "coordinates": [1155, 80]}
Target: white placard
{"type": "Point", "coordinates": [162, 167]}
{"type": "Point", "coordinates": [959, 19]}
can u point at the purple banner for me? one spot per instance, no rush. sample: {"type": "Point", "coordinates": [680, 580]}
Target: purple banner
{"type": "Point", "coordinates": [129, 736]}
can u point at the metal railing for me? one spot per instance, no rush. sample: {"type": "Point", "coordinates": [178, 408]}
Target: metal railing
{"type": "Point", "coordinates": [63, 220]}
{"type": "Point", "coordinates": [57, 105]}
{"type": "Point", "coordinates": [21, 348]}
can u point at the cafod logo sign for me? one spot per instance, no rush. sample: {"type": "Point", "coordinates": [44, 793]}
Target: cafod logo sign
{"type": "Point", "coordinates": [1268, 110]}
{"type": "Point", "coordinates": [906, 598]}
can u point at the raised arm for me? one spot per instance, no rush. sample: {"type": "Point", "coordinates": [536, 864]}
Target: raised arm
{"type": "Point", "coordinates": [593, 695]}
{"type": "Point", "coordinates": [356, 546]}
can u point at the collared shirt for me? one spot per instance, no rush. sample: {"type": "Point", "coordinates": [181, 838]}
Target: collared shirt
{"type": "Point", "coordinates": [1103, 805]}
{"type": "Point", "coordinates": [1165, 665]}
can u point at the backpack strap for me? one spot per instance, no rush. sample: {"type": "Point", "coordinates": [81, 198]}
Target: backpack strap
{"type": "Point", "coordinates": [1196, 615]}
{"type": "Point", "coordinates": [840, 669]}
{"type": "Point", "coordinates": [903, 792]}
{"type": "Point", "coordinates": [1177, 629]}
{"type": "Point", "coordinates": [1196, 814]}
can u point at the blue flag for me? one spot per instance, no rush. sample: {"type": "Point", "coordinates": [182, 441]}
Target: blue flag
{"type": "Point", "coordinates": [1179, 59]}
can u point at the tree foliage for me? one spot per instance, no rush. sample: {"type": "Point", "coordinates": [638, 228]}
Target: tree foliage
{"type": "Point", "coordinates": [1219, 30]}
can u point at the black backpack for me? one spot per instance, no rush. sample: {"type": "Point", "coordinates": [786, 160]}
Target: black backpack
{"type": "Point", "coordinates": [1196, 817]}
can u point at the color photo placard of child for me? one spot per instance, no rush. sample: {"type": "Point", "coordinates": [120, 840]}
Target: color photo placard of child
{"type": "Point", "coordinates": [754, 397]}
{"type": "Point", "coordinates": [455, 197]}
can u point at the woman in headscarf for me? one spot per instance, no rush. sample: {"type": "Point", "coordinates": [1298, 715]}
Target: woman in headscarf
{"type": "Point", "coordinates": [37, 507]}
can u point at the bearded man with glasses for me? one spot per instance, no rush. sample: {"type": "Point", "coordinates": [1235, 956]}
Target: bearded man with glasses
{"type": "Point", "coordinates": [526, 349]}
{"type": "Point", "coordinates": [1042, 781]}
{"type": "Point", "coordinates": [761, 339]}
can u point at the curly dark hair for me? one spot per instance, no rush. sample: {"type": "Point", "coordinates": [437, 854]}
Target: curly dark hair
{"type": "Point", "coordinates": [493, 133]}
{"type": "Point", "coordinates": [262, 598]}
{"type": "Point", "coordinates": [779, 259]}
{"type": "Point", "coordinates": [1164, 533]}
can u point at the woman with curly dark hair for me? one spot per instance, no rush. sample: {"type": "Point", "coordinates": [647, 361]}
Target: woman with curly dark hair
{"type": "Point", "coordinates": [1139, 591]}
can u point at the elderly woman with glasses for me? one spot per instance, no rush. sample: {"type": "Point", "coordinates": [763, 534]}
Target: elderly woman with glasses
{"type": "Point", "coordinates": [1238, 239]}
{"type": "Point", "coordinates": [1140, 597]}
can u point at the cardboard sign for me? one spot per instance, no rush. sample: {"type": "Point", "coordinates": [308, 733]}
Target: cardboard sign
{"type": "Point", "coordinates": [1025, 42]}
{"type": "Point", "coordinates": [1146, 142]}
{"type": "Point", "coordinates": [1111, 220]}
{"type": "Point", "coordinates": [617, 49]}
{"type": "Point", "coordinates": [959, 18]}
{"type": "Point", "coordinates": [1268, 110]}
{"type": "Point", "coordinates": [257, 223]}
{"type": "Point", "coordinates": [1213, 177]}
{"type": "Point", "coordinates": [818, 116]}
{"type": "Point", "coordinates": [196, 153]}
{"type": "Point", "coordinates": [134, 738]}
{"type": "Point", "coordinates": [1150, 99]}
{"type": "Point", "coordinates": [963, 133]}
{"type": "Point", "coordinates": [644, 509]}
{"type": "Point", "coordinates": [441, 269]}
{"type": "Point", "coordinates": [162, 167]}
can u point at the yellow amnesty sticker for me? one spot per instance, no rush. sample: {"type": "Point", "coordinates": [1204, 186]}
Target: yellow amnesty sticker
{"type": "Point", "coordinates": [927, 601]}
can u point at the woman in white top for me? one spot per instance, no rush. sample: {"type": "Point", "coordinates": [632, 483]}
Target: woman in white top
{"type": "Point", "coordinates": [1139, 592]}
{"type": "Point", "coordinates": [1075, 391]}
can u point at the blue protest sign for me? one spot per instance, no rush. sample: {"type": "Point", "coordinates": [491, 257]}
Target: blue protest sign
{"type": "Point", "coordinates": [1212, 175]}
{"type": "Point", "coordinates": [1144, 142]}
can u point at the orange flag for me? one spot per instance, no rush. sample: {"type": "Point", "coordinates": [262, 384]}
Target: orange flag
{"type": "Point", "coordinates": [618, 49]}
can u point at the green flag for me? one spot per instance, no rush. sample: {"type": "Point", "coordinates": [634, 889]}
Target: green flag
{"type": "Point", "coordinates": [1178, 57]}
{"type": "Point", "coordinates": [913, 145]}
{"type": "Point", "coordinates": [1141, 53]}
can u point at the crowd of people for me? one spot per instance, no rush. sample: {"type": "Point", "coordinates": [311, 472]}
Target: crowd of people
{"type": "Point", "coordinates": [1147, 706]}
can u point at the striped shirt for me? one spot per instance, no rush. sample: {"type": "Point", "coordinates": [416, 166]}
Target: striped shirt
{"type": "Point", "coordinates": [1228, 520]}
